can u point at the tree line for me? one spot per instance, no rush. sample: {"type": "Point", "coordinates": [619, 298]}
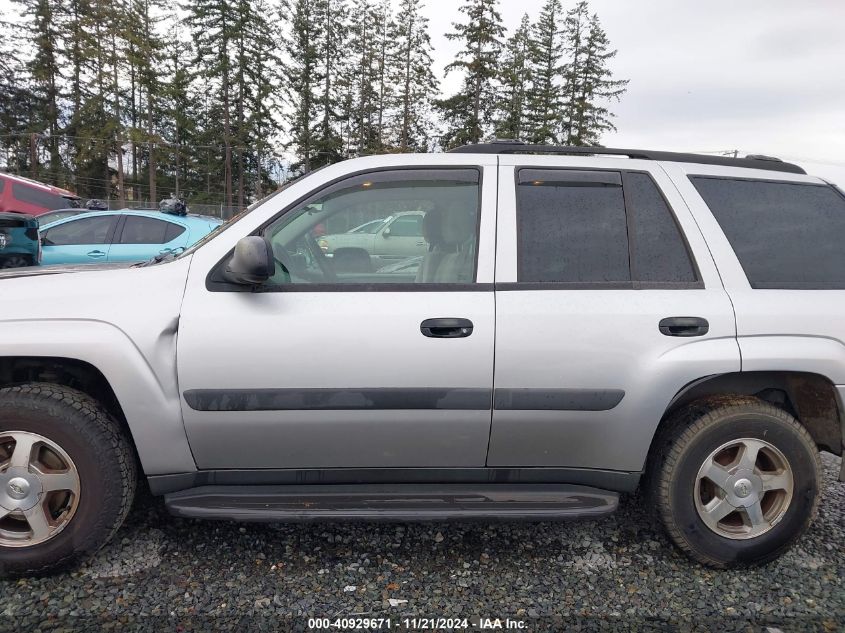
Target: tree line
{"type": "Point", "coordinates": [134, 99]}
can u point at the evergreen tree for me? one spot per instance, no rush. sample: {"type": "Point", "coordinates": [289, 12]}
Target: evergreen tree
{"type": "Point", "coordinates": [94, 124]}
{"type": "Point", "coordinates": [544, 100]}
{"type": "Point", "coordinates": [18, 104]}
{"type": "Point", "coordinates": [45, 74]}
{"type": "Point", "coordinates": [180, 117]}
{"type": "Point", "coordinates": [589, 82]}
{"type": "Point", "coordinates": [145, 56]}
{"type": "Point", "coordinates": [214, 26]}
{"type": "Point", "coordinates": [300, 45]}
{"type": "Point", "coordinates": [359, 78]}
{"type": "Point", "coordinates": [264, 75]}
{"type": "Point", "coordinates": [469, 114]}
{"type": "Point", "coordinates": [515, 79]}
{"type": "Point", "coordinates": [415, 83]}
{"type": "Point", "coordinates": [384, 85]}
{"type": "Point", "coordinates": [332, 16]}
{"type": "Point", "coordinates": [108, 96]}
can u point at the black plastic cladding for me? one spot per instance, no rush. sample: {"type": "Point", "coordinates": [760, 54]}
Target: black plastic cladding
{"type": "Point", "coordinates": [768, 164]}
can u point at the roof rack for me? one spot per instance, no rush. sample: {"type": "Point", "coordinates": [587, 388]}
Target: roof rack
{"type": "Point", "coordinates": [510, 146]}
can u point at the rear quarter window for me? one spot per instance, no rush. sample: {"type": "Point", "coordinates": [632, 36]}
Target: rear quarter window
{"type": "Point", "coordinates": [785, 235]}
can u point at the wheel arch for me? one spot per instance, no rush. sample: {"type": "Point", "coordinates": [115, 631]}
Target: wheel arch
{"type": "Point", "coordinates": [811, 398]}
{"type": "Point", "coordinates": [69, 372]}
{"type": "Point", "coordinates": [102, 361]}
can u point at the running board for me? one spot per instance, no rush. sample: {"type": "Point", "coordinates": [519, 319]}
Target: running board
{"type": "Point", "coordinates": [394, 502]}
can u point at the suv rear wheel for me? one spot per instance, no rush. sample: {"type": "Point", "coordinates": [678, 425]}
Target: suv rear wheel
{"type": "Point", "coordinates": [735, 480]}
{"type": "Point", "coordinates": [67, 478]}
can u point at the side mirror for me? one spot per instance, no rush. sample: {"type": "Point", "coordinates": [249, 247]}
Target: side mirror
{"type": "Point", "coordinates": [252, 262]}
{"type": "Point", "coordinates": [386, 233]}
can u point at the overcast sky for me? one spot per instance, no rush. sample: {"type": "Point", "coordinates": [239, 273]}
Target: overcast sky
{"type": "Point", "coordinates": [761, 76]}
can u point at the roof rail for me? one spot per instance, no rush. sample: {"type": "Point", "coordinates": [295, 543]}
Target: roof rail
{"type": "Point", "coordinates": [510, 146]}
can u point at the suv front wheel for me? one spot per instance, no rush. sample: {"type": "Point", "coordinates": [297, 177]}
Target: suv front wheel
{"type": "Point", "coordinates": [67, 478]}
{"type": "Point", "coordinates": [735, 480]}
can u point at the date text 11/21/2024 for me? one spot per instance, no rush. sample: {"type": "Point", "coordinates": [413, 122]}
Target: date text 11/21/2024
{"type": "Point", "coordinates": [416, 623]}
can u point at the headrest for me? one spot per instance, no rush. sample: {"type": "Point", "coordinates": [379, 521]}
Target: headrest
{"type": "Point", "coordinates": [457, 227]}
{"type": "Point", "coordinates": [447, 227]}
{"type": "Point", "coordinates": [431, 226]}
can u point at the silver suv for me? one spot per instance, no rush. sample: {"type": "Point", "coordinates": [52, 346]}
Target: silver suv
{"type": "Point", "coordinates": [582, 322]}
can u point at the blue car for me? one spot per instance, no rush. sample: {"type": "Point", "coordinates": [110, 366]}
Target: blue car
{"type": "Point", "coordinates": [120, 236]}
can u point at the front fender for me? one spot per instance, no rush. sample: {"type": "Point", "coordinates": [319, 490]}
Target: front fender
{"type": "Point", "coordinates": [148, 395]}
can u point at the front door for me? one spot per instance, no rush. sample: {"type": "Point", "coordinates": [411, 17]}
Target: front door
{"type": "Point", "coordinates": [607, 304]}
{"type": "Point", "coordinates": [79, 240]}
{"type": "Point", "coordinates": [323, 367]}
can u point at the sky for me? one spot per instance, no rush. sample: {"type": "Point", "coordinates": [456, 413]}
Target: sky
{"type": "Point", "coordinates": [760, 76]}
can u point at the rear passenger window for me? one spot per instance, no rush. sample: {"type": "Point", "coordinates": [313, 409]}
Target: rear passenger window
{"type": "Point", "coordinates": [141, 230]}
{"type": "Point", "coordinates": [597, 227]}
{"type": "Point", "coordinates": [571, 227]}
{"type": "Point", "coordinates": [785, 235]}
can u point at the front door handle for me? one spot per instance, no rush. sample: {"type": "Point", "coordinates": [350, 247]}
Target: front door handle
{"type": "Point", "coordinates": [96, 254]}
{"type": "Point", "coordinates": [684, 326]}
{"type": "Point", "coordinates": [446, 328]}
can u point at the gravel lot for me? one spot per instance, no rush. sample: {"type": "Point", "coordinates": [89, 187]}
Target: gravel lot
{"type": "Point", "coordinates": [620, 573]}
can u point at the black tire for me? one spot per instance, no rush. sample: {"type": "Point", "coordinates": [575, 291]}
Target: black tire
{"type": "Point", "coordinates": [15, 261]}
{"type": "Point", "coordinates": [684, 443]}
{"type": "Point", "coordinates": [103, 457]}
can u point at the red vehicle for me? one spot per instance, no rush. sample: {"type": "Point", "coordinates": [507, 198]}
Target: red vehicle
{"type": "Point", "coordinates": [23, 195]}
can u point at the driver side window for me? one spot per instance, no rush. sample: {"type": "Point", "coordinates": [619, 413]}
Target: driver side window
{"type": "Point", "coordinates": [424, 231]}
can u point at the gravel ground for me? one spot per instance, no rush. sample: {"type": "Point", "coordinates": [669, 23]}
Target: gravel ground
{"type": "Point", "coordinates": [620, 573]}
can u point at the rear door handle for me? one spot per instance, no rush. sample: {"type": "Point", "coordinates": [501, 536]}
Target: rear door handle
{"type": "Point", "coordinates": [96, 254]}
{"type": "Point", "coordinates": [446, 328]}
{"type": "Point", "coordinates": [684, 326]}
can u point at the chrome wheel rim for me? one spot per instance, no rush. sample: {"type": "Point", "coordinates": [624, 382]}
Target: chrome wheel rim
{"type": "Point", "coordinates": [743, 488]}
{"type": "Point", "coordinates": [39, 489]}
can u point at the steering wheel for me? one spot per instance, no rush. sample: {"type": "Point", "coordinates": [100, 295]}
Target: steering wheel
{"type": "Point", "coordinates": [289, 262]}
{"type": "Point", "coordinates": [319, 256]}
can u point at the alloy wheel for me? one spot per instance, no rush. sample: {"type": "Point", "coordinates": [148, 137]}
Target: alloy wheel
{"type": "Point", "coordinates": [743, 488]}
{"type": "Point", "coordinates": [39, 489]}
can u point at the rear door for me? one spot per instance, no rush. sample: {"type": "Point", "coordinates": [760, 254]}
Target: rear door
{"type": "Point", "coordinates": [607, 304]}
{"type": "Point", "coordinates": [140, 237]}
